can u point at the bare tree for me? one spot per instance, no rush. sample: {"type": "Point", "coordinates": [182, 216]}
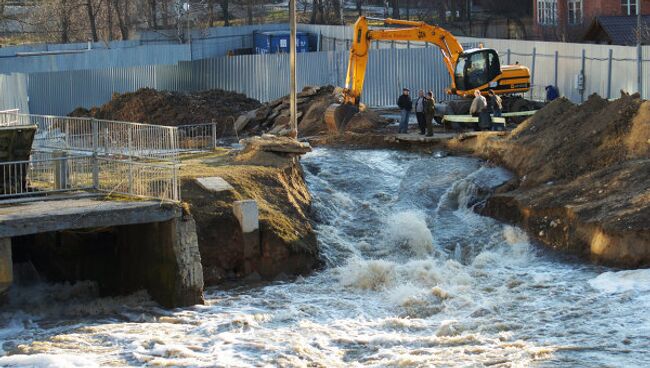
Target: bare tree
{"type": "Point", "coordinates": [395, 6]}
{"type": "Point", "coordinates": [226, 12]}
{"type": "Point", "coordinates": [152, 13]}
{"type": "Point", "coordinates": [317, 12]}
{"type": "Point", "coordinates": [122, 13]}
{"type": "Point", "coordinates": [109, 20]}
{"type": "Point", "coordinates": [359, 6]}
{"type": "Point", "coordinates": [211, 13]}
{"type": "Point", "coordinates": [92, 17]}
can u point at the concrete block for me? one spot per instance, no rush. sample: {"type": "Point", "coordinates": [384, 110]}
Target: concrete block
{"type": "Point", "coordinates": [6, 265]}
{"type": "Point", "coordinates": [214, 184]}
{"type": "Point", "coordinates": [247, 214]}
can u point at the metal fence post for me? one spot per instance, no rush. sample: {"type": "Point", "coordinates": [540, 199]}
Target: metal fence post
{"type": "Point", "coordinates": [582, 71]}
{"type": "Point", "coordinates": [95, 132]}
{"type": "Point", "coordinates": [129, 137]}
{"type": "Point", "coordinates": [609, 73]}
{"type": "Point", "coordinates": [214, 135]}
{"type": "Point", "coordinates": [175, 183]}
{"type": "Point", "coordinates": [557, 57]}
{"type": "Point", "coordinates": [66, 132]}
{"type": "Point", "coordinates": [532, 71]}
{"type": "Point", "coordinates": [130, 182]}
{"type": "Point", "coordinates": [319, 42]}
{"type": "Point", "coordinates": [639, 62]}
{"type": "Point", "coordinates": [95, 163]}
{"type": "Point", "coordinates": [508, 59]}
{"type": "Point", "coordinates": [61, 172]}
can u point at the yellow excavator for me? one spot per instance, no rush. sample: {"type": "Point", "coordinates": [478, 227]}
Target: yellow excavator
{"type": "Point", "coordinates": [470, 70]}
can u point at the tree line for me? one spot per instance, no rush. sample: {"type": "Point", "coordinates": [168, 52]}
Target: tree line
{"type": "Point", "coordinates": [106, 20]}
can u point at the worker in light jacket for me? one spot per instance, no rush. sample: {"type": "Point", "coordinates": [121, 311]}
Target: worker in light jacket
{"type": "Point", "coordinates": [419, 111]}
{"type": "Point", "coordinates": [479, 109]}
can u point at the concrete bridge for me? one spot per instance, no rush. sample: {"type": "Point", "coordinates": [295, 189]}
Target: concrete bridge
{"type": "Point", "coordinates": [57, 223]}
{"type": "Point", "coordinates": [142, 245]}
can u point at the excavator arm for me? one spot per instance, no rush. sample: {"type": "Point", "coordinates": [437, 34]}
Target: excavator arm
{"type": "Point", "coordinates": [414, 31]}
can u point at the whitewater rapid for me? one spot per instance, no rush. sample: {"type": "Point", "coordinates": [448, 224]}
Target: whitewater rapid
{"type": "Point", "coordinates": [413, 277]}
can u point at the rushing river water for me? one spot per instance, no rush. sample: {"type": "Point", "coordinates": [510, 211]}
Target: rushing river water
{"type": "Point", "coordinates": [413, 278]}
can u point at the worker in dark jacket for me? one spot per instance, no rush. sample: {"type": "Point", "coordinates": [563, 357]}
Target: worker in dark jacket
{"type": "Point", "coordinates": [429, 112]}
{"type": "Point", "coordinates": [405, 106]}
{"type": "Point", "coordinates": [495, 104]}
{"type": "Point", "coordinates": [552, 93]}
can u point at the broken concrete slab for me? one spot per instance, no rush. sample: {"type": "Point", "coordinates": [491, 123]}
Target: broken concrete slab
{"type": "Point", "coordinates": [247, 214]}
{"type": "Point", "coordinates": [214, 184]}
{"type": "Point", "coordinates": [243, 120]}
{"type": "Point", "coordinates": [271, 143]}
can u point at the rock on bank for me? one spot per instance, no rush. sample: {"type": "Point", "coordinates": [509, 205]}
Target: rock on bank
{"type": "Point", "coordinates": [584, 177]}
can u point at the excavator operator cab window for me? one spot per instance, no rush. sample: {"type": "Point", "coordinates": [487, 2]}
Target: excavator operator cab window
{"type": "Point", "coordinates": [476, 68]}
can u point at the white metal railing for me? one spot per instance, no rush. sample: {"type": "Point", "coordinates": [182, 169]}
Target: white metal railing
{"type": "Point", "coordinates": [146, 180]}
{"type": "Point", "coordinates": [204, 137]}
{"type": "Point", "coordinates": [9, 118]}
{"type": "Point", "coordinates": [197, 136]}
{"type": "Point", "coordinates": [45, 173]}
{"type": "Point", "coordinates": [105, 137]}
{"type": "Point", "coordinates": [55, 172]}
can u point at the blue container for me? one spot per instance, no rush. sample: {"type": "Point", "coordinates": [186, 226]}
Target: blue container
{"type": "Point", "coordinates": [278, 42]}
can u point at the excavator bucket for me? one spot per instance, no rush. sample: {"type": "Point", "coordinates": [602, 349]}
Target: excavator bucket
{"type": "Point", "coordinates": [338, 115]}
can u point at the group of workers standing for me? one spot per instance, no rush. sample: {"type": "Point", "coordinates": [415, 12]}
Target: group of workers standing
{"type": "Point", "coordinates": [424, 107]}
{"type": "Point", "coordinates": [425, 110]}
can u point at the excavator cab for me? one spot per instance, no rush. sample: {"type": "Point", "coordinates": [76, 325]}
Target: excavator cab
{"type": "Point", "coordinates": [476, 68]}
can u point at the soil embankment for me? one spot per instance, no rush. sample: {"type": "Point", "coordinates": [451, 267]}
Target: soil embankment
{"type": "Point", "coordinates": [150, 106]}
{"type": "Point", "coordinates": [583, 177]}
{"type": "Point", "coordinates": [275, 181]}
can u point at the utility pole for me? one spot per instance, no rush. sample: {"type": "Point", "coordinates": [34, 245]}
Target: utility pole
{"type": "Point", "coordinates": [293, 105]}
{"type": "Point", "coordinates": [639, 48]}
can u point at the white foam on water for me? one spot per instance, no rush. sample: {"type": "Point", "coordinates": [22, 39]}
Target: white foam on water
{"type": "Point", "coordinates": [48, 361]}
{"type": "Point", "coordinates": [405, 294]}
{"type": "Point", "coordinates": [409, 231]}
{"type": "Point", "coordinates": [367, 274]}
{"type": "Point", "coordinates": [616, 282]}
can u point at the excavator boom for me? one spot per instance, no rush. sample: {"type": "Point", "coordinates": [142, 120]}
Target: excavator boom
{"type": "Point", "coordinates": [413, 31]}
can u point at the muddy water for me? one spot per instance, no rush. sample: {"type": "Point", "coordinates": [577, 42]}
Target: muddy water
{"type": "Point", "coordinates": [413, 278]}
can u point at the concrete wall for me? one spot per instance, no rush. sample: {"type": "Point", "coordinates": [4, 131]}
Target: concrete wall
{"type": "Point", "coordinates": [161, 257]}
{"type": "Point", "coordinates": [6, 266]}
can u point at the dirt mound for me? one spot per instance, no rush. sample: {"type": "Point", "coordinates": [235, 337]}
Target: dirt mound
{"type": "Point", "coordinates": [564, 141]}
{"type": "Point", "coordinates": [584, 177]}
{"type": "Point", "coordinates": [150, 106]}
{"type": "Point", "coordinates": [273, 117]}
